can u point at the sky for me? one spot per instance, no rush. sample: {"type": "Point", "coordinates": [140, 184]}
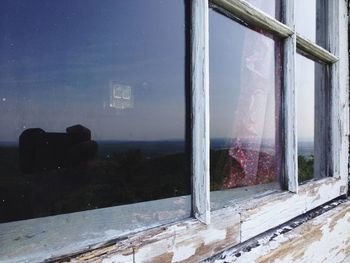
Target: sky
{"type": "Point", "coordinates": [305, 18]}
{"type": "Point", "coordinates": [229, 51]}
{"type": "Point", "coordinates": [305, 93]}
{"type": "Point", "coordinates": [58, 60]}
{"type": "Point", "coordinates": [242, 81]}
{"type": "Point", "coordinates": [305, 24]}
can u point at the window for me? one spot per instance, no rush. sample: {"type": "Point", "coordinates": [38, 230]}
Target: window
{"type": "Point", "coordinates": [202, 72]}
{"type": "Point", "coordinates": [312, 116]}
{"type": "Point", "coordinates": [93, 116]}
{"type": "Point", "coordinates": [245, 95]}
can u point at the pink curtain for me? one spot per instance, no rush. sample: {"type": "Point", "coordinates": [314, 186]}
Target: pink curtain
{"type": "Point", "coordinates": [252, 153]}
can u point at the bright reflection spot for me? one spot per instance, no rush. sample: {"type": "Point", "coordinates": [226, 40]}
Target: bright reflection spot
{"type": "Point", "coordinates": [121, 96]}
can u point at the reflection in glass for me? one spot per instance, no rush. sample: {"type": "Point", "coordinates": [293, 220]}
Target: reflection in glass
{"type": "Point", "coordinates": [270, 7]}
{"type": "Point", "coordinates": [93, 105]}
{"type": "Point", "coordinates": [244, 92]}
{"type": "Point", "coordinates": [311, 93]}
{"type": "Point", "coordinates": [305, 88]}
{"type": "Point", "coordinates": [311, 20]}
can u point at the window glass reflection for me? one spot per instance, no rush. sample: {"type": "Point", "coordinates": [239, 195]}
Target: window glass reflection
{"type": "Point", "coordinates": [312, 93]}
{"type": "Point", "coordinates": [244, 95]}
{"type": "Point", "coordinates": [270, 7]}
{"type": "Point", "coordinates": [93, 105]}
{"type": "Point", "coordinates": [311, 20]}
{"type": "Point", "coordinates": [305, 87]}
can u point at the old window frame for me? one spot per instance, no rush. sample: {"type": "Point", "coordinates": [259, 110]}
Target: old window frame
{"type": "Point", "coordinates": [209, 232]}
{"type": "Point", "coordinates": [327, 188]}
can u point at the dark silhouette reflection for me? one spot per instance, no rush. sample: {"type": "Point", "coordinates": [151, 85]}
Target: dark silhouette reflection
{"type": "Point", "coordinates": [114, 74]}
{"type": "Point", "coordinates": [55, 173]}
{"type": "Point", "coordinates": [41, 151]}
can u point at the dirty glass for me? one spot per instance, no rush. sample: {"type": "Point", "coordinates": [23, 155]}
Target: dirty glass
{"type": "Point", "coordinates": [244, 110]}
{"type": "Point", "coordinates": [92, 104]}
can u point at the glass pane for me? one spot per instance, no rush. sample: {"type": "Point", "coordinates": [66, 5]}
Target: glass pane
{"type": "Point", "coordinates": [311, 20]}
{"type": "Point", "coordinates": [93, 106]}
{"type": "Point", "coordinates": [311, 94]}
{"type": "Point", "coordinates": [244, 96]}
{"type": "Point", "coordinates": [270, 7]}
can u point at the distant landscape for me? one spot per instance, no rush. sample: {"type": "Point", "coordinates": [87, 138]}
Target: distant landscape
{"type": "Point", "coordinates": [305, 161]}
{"type": "Point", "coordinates": [122, 173]}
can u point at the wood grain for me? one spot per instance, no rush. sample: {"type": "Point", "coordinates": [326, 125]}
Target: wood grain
{"type": "Point", "coordinates": [200, 111]}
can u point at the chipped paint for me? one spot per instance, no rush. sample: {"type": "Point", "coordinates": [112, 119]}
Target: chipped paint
{"type": "Point", "coordinates": [261, 215]}
{"type": "Point", "coordinates": [318, 236]}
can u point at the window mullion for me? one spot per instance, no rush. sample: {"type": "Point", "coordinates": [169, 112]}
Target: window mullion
{"type": "Point", "coordinates": [200, 110]}
{"type": "Point", "coordinates": [339, 91]}
{"type": "Point", "coordinates": [290, 154]}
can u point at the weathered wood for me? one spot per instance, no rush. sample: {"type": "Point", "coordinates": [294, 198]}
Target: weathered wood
{"type": "Point", "coordinates": [191, 240]}
{"type": "Point", "coordinates": [322, 97]}
{"type": "Point", "coordinates": [339, 92]}
{"type": "Point", "coordinates": [38, 239]}
{"type": "Point", "coordinates": [231, 197]}
{"type": "Point", "coordinates": [200, 110]}
{"type": "Point", "coordinates": [315, 52]}
{"type": "Point", "coordinates": [247, 13]}
{"type": "Point", "coordinates": [322, 121]}
{"type": "Point", "coordinates": [324, 238]}
{"type": "Point", "coordinates": [268, 212]}
{"type": "Point", "coordinates": [290, 154]}
{"type": "Point", "coordinates": [188, 241]}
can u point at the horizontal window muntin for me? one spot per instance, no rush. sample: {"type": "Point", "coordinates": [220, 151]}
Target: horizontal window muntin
{"type": "Point", "coordinates": [254, 18]}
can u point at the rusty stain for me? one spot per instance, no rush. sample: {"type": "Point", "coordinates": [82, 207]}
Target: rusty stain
{"type": "Point", "coordinates": [312, 191]}
{"type": "Point", "coordinates": [99, 254]}
{"type": "Point", "coordinates": [203, 251]}
{"type": "Point", "coordinates": [337, 217]}
{"type": "Point", "coordinates": [231, 238]}
{"type": "Point", "coordinates": [206, 250]}
{"type": "Point", "coordinates": [164, 258]}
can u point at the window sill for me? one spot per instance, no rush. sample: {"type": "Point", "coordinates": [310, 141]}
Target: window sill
{"type": "Point", "coordinates": [191, 240]}
{"type": "Point", "coordinates": [38, 239]}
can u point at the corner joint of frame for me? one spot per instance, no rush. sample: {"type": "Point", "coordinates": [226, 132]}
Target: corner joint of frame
{"type": "Point", "coordinates": [203, 217]}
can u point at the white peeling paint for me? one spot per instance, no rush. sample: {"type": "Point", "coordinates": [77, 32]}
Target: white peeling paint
{"type": "Point", "coordinates": [212, 235]}
{"type": "Point", "coordinates": [183, 252]}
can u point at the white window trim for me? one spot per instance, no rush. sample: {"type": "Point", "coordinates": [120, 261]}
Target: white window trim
{"type": "Point", "coordinates": [190, 240]}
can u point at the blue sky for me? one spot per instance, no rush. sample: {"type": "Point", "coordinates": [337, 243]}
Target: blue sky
{"type": "Point", "coordinates": [57, 59]}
